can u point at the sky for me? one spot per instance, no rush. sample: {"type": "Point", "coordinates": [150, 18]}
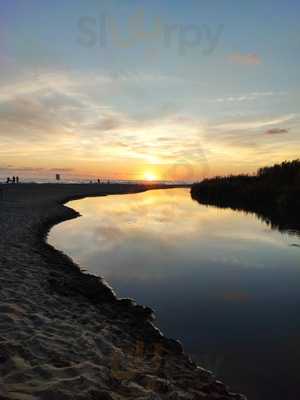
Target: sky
{"type": "Point", "coordinates": [127, 89]}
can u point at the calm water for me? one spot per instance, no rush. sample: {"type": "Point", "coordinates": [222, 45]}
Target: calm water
{"type": "Point", "coordinates": [221, 281]}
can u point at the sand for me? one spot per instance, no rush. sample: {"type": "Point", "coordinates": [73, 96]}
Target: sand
{"type": "Point", "coordinates": [63, 333]}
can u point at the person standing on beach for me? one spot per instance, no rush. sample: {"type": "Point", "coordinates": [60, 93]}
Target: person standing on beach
{"type": "Point", "coordinates": [8, 180]}
{"type": "Point", "coordinates": [13, 179]}
{"type": "Point", "coordinates": [17, 179]}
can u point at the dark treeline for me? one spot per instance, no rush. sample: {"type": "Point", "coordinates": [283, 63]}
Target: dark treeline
{"type": "Point", "coordinates": [273, 193]}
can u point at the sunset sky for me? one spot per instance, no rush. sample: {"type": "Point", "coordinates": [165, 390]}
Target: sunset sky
{"type": "Point", "coordinates": [142, 89]}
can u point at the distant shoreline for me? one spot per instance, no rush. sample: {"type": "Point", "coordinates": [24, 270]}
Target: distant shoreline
{"type": "Point", "coordinates": [64, 332]}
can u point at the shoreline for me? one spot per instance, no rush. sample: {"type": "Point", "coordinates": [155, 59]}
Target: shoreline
{"type": "Point", "coordinates": [272, 194]}
{"type": "Point", "coordinates": [71, 318]}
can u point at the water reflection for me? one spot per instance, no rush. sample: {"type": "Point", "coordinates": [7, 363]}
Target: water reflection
{"type": "Point", "coordinates": [277, 217]}
{"type": "Point", "coordinates": [221, 281]}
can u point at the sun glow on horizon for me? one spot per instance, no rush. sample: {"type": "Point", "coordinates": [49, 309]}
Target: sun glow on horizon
{"type": "Point", "coordinates": [150, 176]}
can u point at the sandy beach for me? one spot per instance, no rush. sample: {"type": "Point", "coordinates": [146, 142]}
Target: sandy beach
{"type": "Point", "coordinates": [63, 333]}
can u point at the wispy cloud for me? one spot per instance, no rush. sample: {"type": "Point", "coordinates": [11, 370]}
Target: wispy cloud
{"type": "Point", "coordinates": [277, 131]}
{"type": "Point", "coordinates": [253, 124]}
{"type": "Point", "coordinates": [249, 97]}
{"type": "Point", "coordinates": [14, 169]}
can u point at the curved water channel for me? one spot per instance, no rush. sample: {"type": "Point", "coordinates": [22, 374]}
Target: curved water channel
{"type": "Point", "coordinates": [221, 281]}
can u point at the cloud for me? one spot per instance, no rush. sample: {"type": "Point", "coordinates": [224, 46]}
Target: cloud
{"type": "Point", "coordinates": [248, 97]}
{"type": "Point", "coordinates": [44, 83]}
{"type": "Point", "coordinates": [245, 59]}
{"type": "Point", "coordinates": [61, 122]}
{"type": "Point", "coordinates": [253, 124]}
{"type": "Point", "coordinates": [276, 131]}
{"type": "Point", "coordinates": [22, 169]}
{"type": "Point", "coordinates": [65, 119]}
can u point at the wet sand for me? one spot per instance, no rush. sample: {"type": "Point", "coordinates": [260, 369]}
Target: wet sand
{"type": "Point", "coordinates": [63, 333]}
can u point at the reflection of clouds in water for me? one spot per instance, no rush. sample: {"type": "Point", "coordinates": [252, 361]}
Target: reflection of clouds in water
{"type": "Point", "coordinates": [163, 212]}
{"type": "Point", "coordinates": [152, 226]}
{"type": "Point", "coordinates": [155, 234]}
{"type": "Point", "coordinates": [108, 233]}
{"type": "Point", "coordinates": [133, 262]}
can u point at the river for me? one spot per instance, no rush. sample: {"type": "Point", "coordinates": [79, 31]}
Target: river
{"type": "Point", "coordinates": [222, 282]}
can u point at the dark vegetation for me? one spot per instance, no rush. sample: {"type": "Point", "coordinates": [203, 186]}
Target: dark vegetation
{"type": "Point", "coordinates": [273, 194]}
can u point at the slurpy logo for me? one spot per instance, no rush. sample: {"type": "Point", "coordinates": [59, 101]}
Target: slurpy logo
{"type": "Point", "coordinates": [107, 31]}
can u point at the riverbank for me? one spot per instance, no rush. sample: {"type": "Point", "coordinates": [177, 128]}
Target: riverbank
{"type": "Point", "coordinates": [273, 194]}
{"type": "Point", "coordinates": [63, 333]}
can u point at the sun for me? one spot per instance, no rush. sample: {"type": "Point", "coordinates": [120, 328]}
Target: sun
{"type": "Point", "coordinates": [150, 176]}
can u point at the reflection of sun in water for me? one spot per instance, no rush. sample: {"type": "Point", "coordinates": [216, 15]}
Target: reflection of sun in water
{"type": "Point", "coordinates": [150, 176]}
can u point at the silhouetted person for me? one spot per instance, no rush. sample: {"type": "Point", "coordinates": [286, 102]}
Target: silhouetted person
{"type": "Point", "coordinates": [8, 180]}
{"type": "Point", "coordinates": [99, 181]}
{"type": "Point", "coordinates": [13, 179]}
{"type": "Point", "coordinates": [17, 179]}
